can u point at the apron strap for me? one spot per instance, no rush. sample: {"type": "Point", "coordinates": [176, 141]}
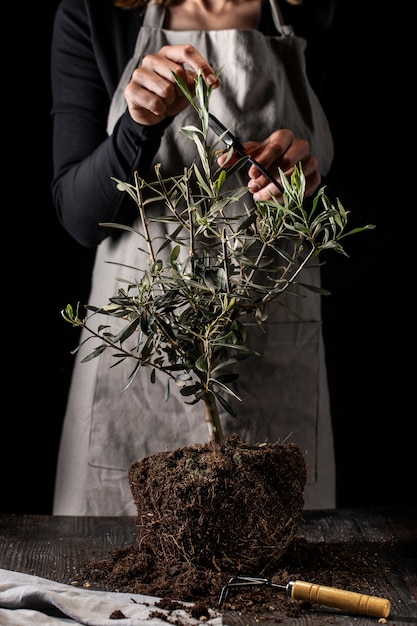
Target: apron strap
{"type": "Point", "coordinates": [285, 30]}
{"type": "Point", "coordinates": [154, 15]}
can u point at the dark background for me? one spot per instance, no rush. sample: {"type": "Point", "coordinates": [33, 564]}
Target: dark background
{"type": "Point", "coordinates": [368, 322]}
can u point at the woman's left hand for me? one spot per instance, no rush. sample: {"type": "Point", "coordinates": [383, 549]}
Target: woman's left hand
{"type": "Point", "coordinates": [282, 150]}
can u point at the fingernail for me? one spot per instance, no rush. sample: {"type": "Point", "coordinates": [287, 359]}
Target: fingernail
{"type": "Point", "coordinates": [211, 79]}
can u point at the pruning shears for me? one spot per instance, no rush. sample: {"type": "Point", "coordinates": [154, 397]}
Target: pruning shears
{"type": "Point", "coordinates": [234, 142]}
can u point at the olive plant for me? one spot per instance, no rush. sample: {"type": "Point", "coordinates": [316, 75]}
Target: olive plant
{"type": "Point", "coordinates": [225, 262]}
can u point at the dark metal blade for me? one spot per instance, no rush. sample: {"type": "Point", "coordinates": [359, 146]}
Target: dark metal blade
{"type": "Point", "coordinates": [234, 142]}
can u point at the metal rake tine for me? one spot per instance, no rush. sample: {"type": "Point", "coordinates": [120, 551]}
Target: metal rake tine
{"type": "Point", "coordinates": [242, 581]}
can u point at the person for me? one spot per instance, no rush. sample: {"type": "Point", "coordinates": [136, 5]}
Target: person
{"type": "Point", "coordinates": [116, 110]}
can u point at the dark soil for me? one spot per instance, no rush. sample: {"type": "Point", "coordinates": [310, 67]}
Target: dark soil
{"type": "Point", "coordinates": [189, 545]}
{"type": "Point", "coordinates": [335, 566]}
{"type": "Point", "coordinates": [233, 508]}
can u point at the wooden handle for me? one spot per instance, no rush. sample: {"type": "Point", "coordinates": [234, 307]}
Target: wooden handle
{"type": "Point", "coordinates": [346, 600]}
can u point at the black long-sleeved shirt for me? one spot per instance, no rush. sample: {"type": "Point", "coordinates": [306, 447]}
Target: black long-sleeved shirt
{"type": "Point", "coordinates": [92, 42]}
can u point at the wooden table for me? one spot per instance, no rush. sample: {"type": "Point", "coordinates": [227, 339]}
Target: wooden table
{"type": "Point", "coordinates": [55, 547]}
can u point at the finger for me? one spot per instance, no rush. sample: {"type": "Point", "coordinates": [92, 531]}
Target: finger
{"type": "Point", "coordinates": [311, 171]}
{"type": "Point", "coordinates": [312, 175]}
{"type": "Point", "coordinates": [186, 54]}
{"type": "Point", "coordinates": [226, 158]}
{"type": "Point", "coordinates": [269, 154]}
{"type": "Point", "coordinates": [283, 150]}
{"type": "Point", "coordinates": [265, 192]}
{"type": "Point", "coordinates": [149, 90]}
{"type": "Point", "coordinates": [262, 189]}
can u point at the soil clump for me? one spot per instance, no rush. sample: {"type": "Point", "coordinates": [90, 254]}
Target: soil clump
{"type": "Point", "coordinates": [204, 518]}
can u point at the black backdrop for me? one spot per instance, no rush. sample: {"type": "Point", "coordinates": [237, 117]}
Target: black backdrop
{"type": "Point", "coordinates": [368, 323]}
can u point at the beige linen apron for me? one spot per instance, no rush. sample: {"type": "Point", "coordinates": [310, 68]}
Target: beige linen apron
{"type": "Point", "coordinates": [284, 392]}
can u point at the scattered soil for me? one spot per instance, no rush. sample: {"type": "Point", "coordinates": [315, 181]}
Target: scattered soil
{"type": "Point", "coordinates": [336, 565]}
{"type": "Point", "coordinates": [204, 518]}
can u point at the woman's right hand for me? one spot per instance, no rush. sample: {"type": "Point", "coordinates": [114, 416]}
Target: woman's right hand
{"type": "Point", "coordinates": [152, 94]}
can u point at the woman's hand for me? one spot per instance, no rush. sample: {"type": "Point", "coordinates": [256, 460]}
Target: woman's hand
{"type": "Point", "coordinates": [282, 150]}
{"type": "Point", "coordinates": [152, 93]}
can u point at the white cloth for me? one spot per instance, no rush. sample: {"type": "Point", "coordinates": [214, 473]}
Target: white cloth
{"type": "Point", "coordinates": [27, 600]}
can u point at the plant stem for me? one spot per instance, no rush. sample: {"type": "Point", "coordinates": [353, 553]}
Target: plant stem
{"type": "Point", "coordinates": [212, 418]}
{"type": "Point", "coordinates": [143, 218]}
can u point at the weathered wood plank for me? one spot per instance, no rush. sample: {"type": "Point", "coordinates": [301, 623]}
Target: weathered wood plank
{"type": "Point", "coordinates": [55, 547]}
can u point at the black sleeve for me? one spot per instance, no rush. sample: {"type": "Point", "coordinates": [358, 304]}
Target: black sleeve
{"type": "Point", "coordinates": [91, 43]}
